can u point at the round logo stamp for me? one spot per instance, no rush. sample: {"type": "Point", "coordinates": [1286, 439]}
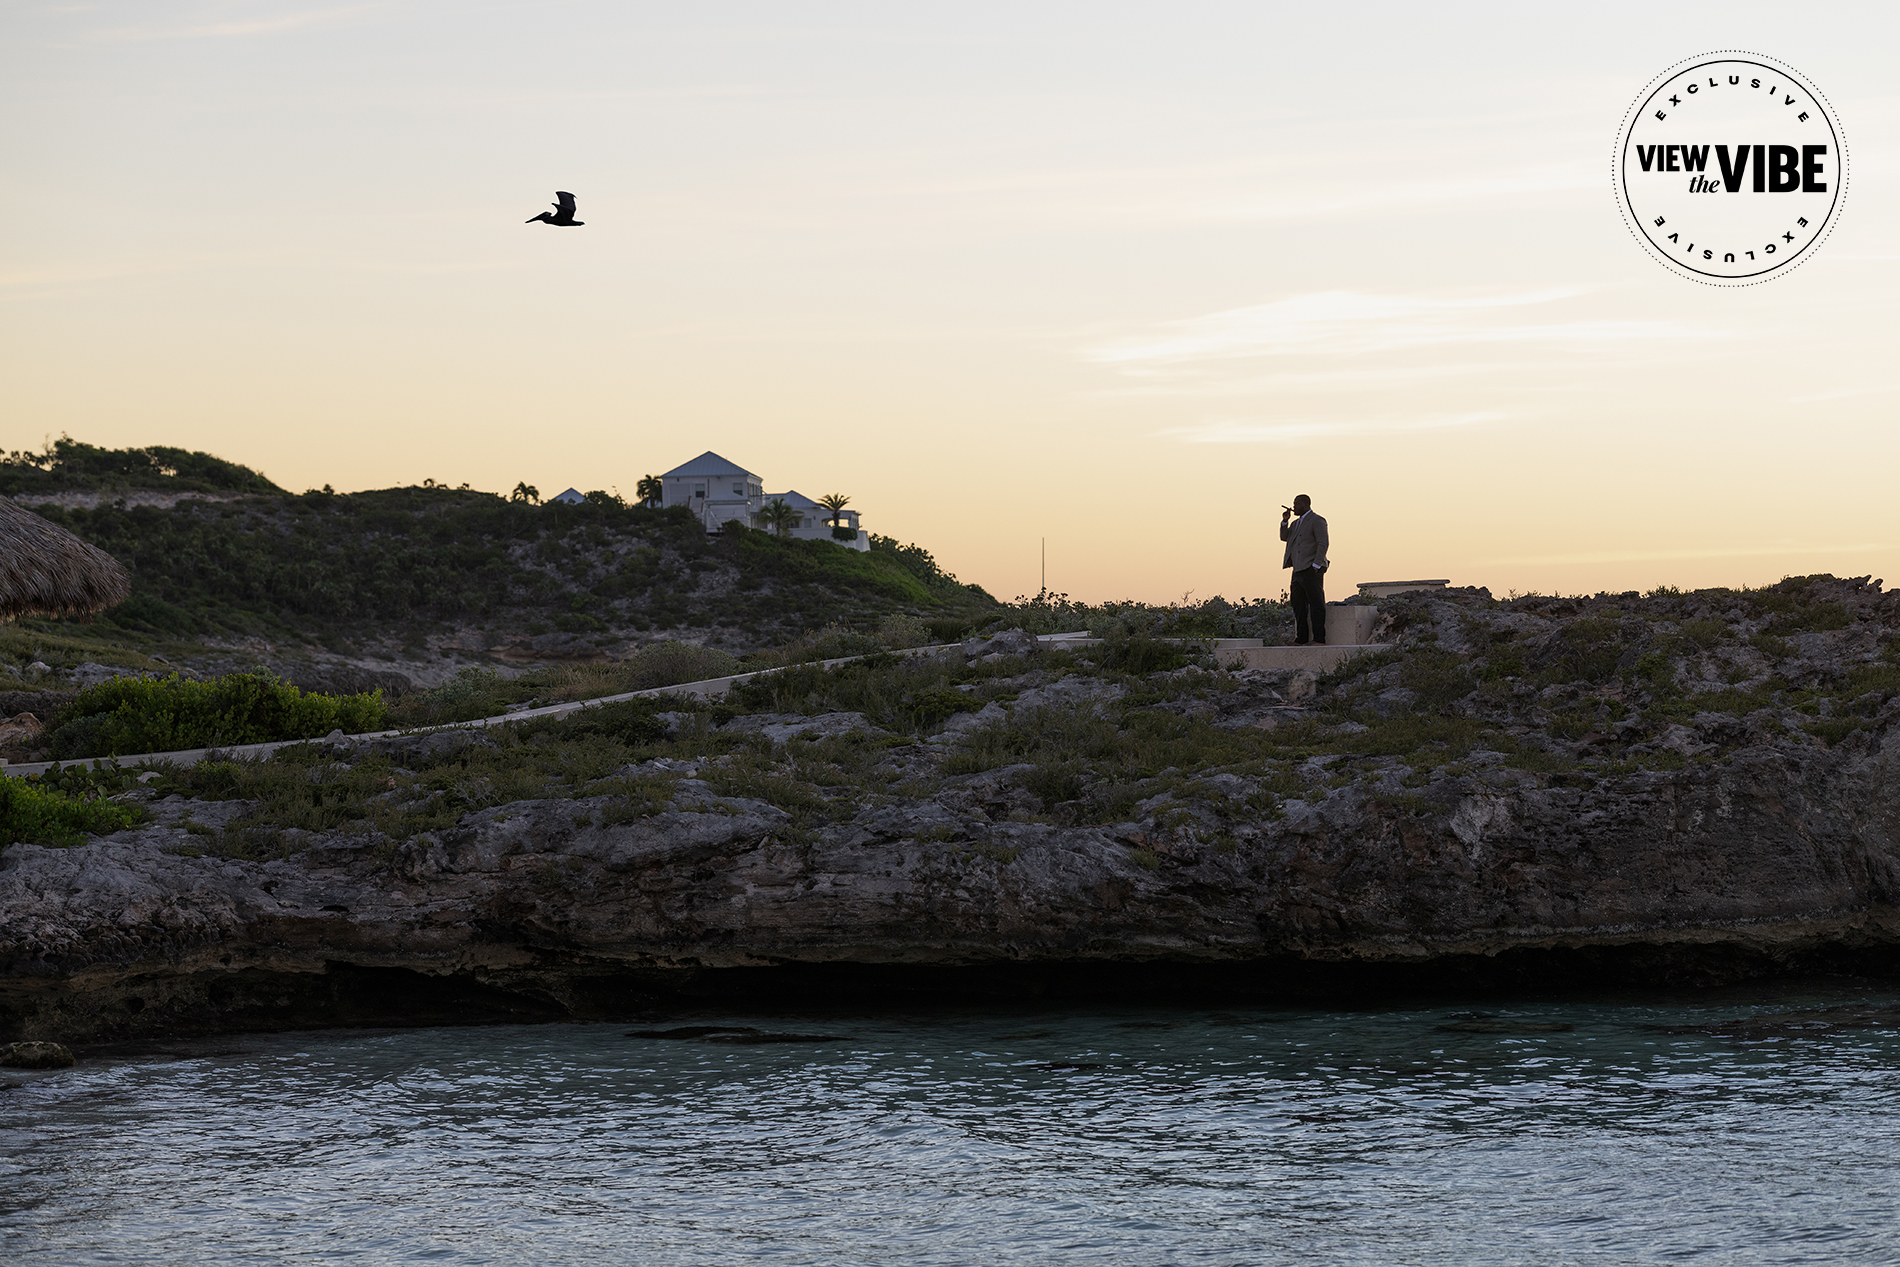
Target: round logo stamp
{"type": "Point", "coordinates": [1730, 168]}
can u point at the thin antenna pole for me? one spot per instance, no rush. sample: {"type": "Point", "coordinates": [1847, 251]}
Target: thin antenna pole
{"type": "Point", "coordinates": [1045, 565]}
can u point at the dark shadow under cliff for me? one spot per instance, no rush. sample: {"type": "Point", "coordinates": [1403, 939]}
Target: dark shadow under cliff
{"type": "Point", "coordinates": [346, 995]}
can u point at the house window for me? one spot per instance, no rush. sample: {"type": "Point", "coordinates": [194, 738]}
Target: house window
{"type": "Point", "coordinates": [739, 489]}
{"type": "Point", "coordinates": [699, 490]}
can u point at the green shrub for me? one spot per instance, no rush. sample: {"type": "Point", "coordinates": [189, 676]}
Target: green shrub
{"type": "Point", "coordinates": [36, 810]}
{"type": "Point", "coordinates": [902, 693]}
{"type": "Point", "coordinates": [1215, 617]}
{"type": "Point", "coordinates": [1586, 651]}
{"type": "Point", "coordinates": [1705, 633]}
{"type": "Point", "coordinates": [899, 630]}
{"type": "Point", "coordinates": [1816, 616]}
{"type": "Point", "coordinates": [833, 642]}
{"type": "Point", "coordinates": [470, 694]}
{"type": "Point", "coordinates": [916, 560]}
{"type": "Point", "coordinates": [1772, 647]}
{"type": "Point", "coordinates": [1834, 729]}
{"type": "Point", "coordinates": [631, 722]}
{"type": "Point", "coordinates": [933, 704]}
{"type": "Point", "coordinates": [1658, 670]}
{"type": "Point", "coordinates": [671, 663]}
{"type": "Point", "coordinates": [129, 715]}
{"type": "Point", "coordinates": [1139, 655]}
{"type": "Point", "coordinates": [878, 571]}
{"type": "Point", "coordinates": [1053, 782]}
{"type": "Point", "coordinates": [757, 782]}
{"type": "Point", "coordinates": [1438, 677]}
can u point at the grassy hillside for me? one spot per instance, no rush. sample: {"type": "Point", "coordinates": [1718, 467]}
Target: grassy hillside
{"type": "Point", "coordinates": [427, 573]}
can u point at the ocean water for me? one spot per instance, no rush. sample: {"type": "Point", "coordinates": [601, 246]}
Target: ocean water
{"type": "Point", "coordinates": [1072, 1136]}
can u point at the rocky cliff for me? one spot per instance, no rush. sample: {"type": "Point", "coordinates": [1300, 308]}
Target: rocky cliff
{"type": "Point", "coordinates": [1535, 793]}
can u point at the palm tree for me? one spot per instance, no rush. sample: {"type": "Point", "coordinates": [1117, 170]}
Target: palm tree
{"type": "Point", "coordinates": [526, 492]}
{"type": "Point", "coordinates": [650, 490]}
{"type": "Point", "coordinates": [835, 503]}
{"type": "Point", "coordinates": [779, 517]}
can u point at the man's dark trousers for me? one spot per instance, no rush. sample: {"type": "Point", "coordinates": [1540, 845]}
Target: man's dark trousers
{"type": "Point", "coordinates": [1308, 591]}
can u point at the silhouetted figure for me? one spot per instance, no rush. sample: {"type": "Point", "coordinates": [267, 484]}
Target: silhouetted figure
{"type": "Point", "coordinates": [1306, 544]}
{"type": "Point", "coordinates": [563, 213]}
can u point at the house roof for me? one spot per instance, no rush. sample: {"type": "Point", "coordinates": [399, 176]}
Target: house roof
{"type": "Point", "coordinates": [794, 499]}
{"type": "Point", "coordinates": [707, 463]}
{"type": "Point", "coordinates": [572, 496]}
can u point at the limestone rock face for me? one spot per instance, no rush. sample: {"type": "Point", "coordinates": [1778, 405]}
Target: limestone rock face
{"type": "Point", "coordinates": [1778, 856]}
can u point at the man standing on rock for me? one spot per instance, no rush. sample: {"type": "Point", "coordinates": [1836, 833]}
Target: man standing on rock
{"type": "Point", "coordinates": [1305, 539]}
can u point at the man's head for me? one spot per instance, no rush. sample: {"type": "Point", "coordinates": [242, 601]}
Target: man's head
{"type": "Point", "coordinates": [1302, 504]}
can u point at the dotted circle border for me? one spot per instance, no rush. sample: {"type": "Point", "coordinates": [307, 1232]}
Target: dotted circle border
{"type": "Point", "coordinates": [1616, 167]}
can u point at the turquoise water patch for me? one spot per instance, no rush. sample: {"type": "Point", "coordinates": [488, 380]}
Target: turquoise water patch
{"type": "Point", "coordinates": [1643, 1132]}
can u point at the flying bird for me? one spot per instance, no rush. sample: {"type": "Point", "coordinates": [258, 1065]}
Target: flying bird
{"type": "Point", "coordinates": [563, 213]}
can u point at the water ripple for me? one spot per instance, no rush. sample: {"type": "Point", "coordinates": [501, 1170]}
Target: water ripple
{"type": "Point", "coordinates": [1133, 1137]}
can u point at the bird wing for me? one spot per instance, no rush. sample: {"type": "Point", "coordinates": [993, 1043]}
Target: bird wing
{"type": "Point", "coordinates": [566, 205]}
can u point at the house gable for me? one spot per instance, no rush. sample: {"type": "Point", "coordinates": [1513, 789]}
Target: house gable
{"type": "Point", "coordinates": [711, 482]}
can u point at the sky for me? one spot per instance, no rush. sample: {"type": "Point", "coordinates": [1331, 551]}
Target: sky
{"type": "Point", "coordinates": [1110, 282]}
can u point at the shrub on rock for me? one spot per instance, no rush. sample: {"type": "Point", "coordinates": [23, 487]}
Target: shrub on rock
{"type": "Point", "coordinates": [131, 715]}
{"type": "Point", "coordinates": [34, 812]}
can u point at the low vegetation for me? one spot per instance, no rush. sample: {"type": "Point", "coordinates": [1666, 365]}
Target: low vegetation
{"type": "Point", "coordinates": [68, 465]}
{"type": "Point", "coordinates": [475, 693]}
{"type": "Point", "coordinates": [136, 715]}
{"type": "Point", "coordinates": [61, 807]}
{"type": "Point", "coordinates": [1151, 737]}
{"type": "Point", "coordinates": [1270, 620]}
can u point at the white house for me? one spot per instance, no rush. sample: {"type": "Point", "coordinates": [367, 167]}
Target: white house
{"type": "Point", "coordinates": [814, 521]}
{"type": "Point", "coordinates": [713, 489]}
{"type": "Point", "coordinates": [718, 491]}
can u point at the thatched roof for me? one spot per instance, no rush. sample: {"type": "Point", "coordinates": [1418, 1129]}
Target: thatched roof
{"type": "Point", "coordinates": [47, 571]}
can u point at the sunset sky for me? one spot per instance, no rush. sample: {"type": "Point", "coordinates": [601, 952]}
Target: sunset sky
{"type": "Point", "coordinates": [1125, 277]}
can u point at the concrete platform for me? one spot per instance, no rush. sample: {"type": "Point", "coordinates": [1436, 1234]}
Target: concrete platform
{"type": "Point", "coordinates": [1070, 641]}
{"type": "Point", "coordinates": [1319, 659]}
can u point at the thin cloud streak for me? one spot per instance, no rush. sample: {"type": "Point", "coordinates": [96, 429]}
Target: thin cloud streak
{"type": "Point", "coordinates": [1845, 393]}
{"type": "Point", "coordinates": [1349, 323]}
{"type": "Point", "coordinates": [216, 30]}
{"type": "Point", "coordinates": [1241, 431]}
{"type": "Point", "coordinates": [1421, 194]}
{"type": "Point", "coordinates": [1353, 378]}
